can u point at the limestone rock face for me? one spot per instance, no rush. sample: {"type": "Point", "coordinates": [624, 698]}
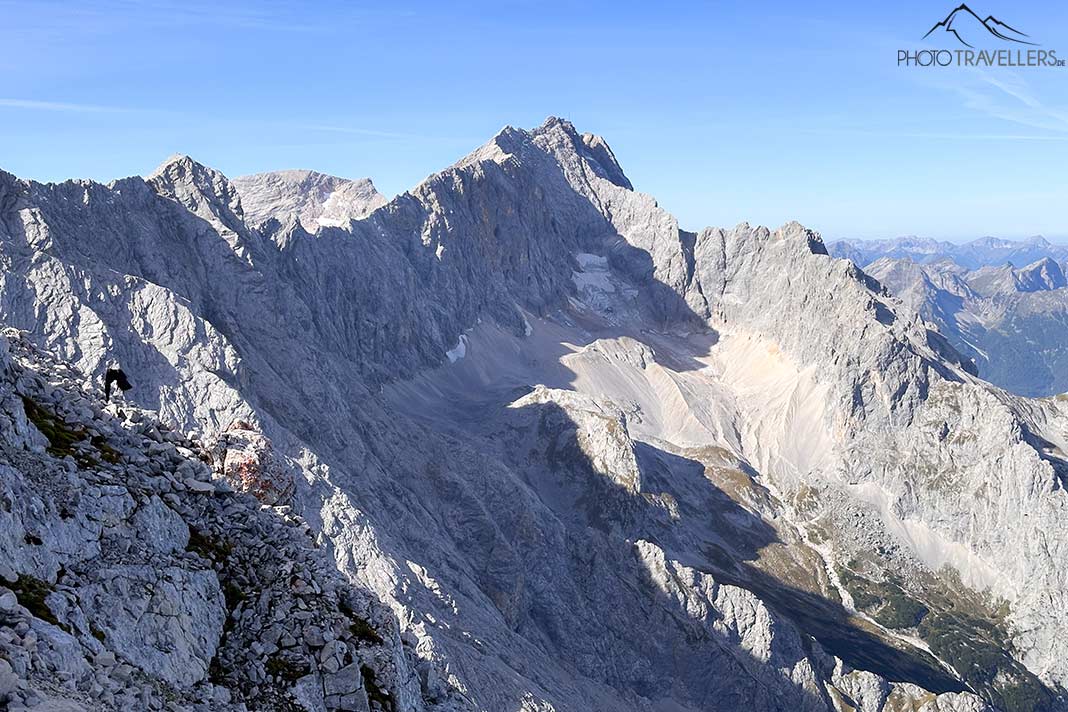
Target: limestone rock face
{"type": "Point", "coordinates": [597, 429]}
{"type": "Point", "coordinates": [182, 614]}
{"type": "Point", "coordinates": [316, 199]}
{"type": "Point", "coordinates": [566, 454]}
{"type": "Point", "coordinates": [244, 457]}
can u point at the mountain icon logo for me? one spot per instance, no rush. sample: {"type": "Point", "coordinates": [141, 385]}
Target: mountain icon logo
{"type": "Point", "coordinates": [964, 24]}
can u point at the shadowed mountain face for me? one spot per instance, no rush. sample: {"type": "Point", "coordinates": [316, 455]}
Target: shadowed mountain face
{"type": "Point", "coordinates": [584, 459]}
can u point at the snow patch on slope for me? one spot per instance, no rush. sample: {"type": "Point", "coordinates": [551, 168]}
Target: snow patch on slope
{"type": "Point", "coordinates": [458, 351]}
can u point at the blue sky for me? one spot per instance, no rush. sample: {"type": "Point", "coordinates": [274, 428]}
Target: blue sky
{"type": "Point", "coordinates": [762, 112]}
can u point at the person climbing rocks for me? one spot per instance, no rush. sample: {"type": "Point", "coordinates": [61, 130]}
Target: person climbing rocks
{"type": "Point", "coordinates": [118, 377]}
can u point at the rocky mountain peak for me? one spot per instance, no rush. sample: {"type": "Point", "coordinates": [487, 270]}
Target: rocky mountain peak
{"type": "Point", "coordinates": [559, 137]}
{"type": "Point", "coordinates": [317, 199]}
{"type": "Point", "coordinates": [602, 154]}
{"type": "Point", "coordinates": [983, 252]}
{"type": "Point", "coordinates": [200, 189]}
{"type": "Point", "coordinates": [182, 171]}
{"type": "Point", "coordinates": [594, 150]}
{"type": "Point", "coordinates": [1042, 275]}
{"type": "Point", "coordinates": [984, 311]}
{"type": "Point", "coordinates": [177, 162]}
{"type": "Point", "coordinates": [811, 239]}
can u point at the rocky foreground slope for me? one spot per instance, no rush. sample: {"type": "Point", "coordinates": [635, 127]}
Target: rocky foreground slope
{"type": "Point", "coordinates": [134, 579]}
{"type": "Point", "coordinates": [586, 459]}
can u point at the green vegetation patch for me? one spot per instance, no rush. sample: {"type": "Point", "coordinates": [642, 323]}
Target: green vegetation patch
{"type": "Point", "coordinates": [885, 601]}
{"type": "Point", "coordinates": [360, 627]}
{"type": "Point", "coordinates": [976, 648]}
{"type": "Point", "coordinates": [32, 593]}
{"type": "Point", "coordinates": [283, 668]}
{"type": "Point", "coordinates": [62, 438]}
{"type": "Point", "coordinates": [960, 626]}
{"type": "Point", "coordinates": [107, 453]}
{"type": "Point", "coordinates": [374, 692]}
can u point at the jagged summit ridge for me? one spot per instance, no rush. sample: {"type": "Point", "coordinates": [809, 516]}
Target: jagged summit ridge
{"type": "Point", "coordinates": [1043, 274]}
{"type": "Point", "coordinates": [316, 198]}
{"type": "Point", "coordinates": [590, 147]}
{"type": "Point", "coordinates": [184, 179]}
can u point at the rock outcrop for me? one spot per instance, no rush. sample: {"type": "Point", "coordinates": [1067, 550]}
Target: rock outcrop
{"type": "Point", "coordinates": [244, 456]}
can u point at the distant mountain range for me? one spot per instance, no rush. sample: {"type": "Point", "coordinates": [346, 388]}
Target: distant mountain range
{"type": "Point", "coordinates": [983, 252]}
{"type": "Point", "coordinates": [1011, 321]}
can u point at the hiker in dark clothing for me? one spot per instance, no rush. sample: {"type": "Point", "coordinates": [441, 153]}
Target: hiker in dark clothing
{"type": "Point", "coordinates": [118, 377]}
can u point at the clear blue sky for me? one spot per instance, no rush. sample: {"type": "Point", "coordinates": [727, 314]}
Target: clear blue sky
{"type": "Point", "coordinates": [763, 112]}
